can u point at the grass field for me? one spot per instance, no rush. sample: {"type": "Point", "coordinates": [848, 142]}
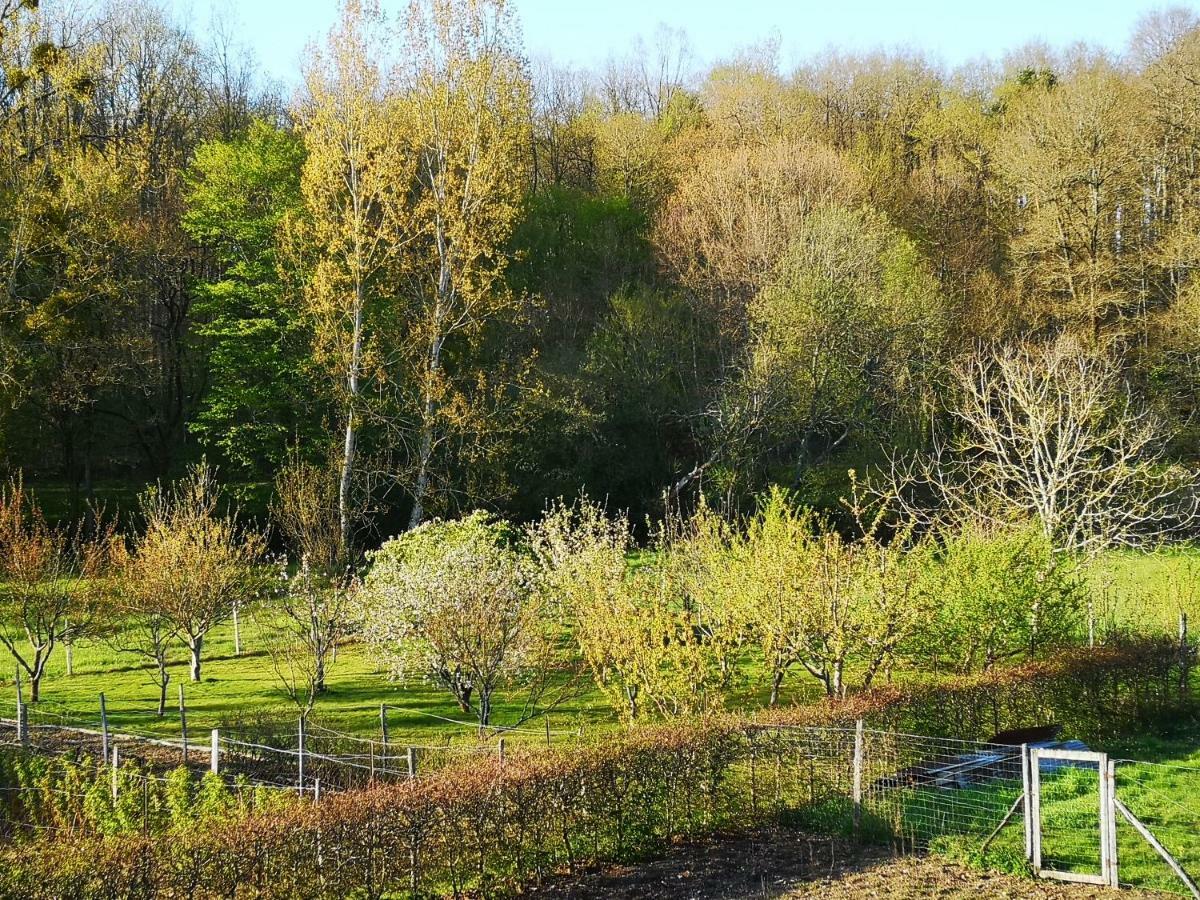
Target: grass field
{"type": "Point", "coordinates": [1135, 590]}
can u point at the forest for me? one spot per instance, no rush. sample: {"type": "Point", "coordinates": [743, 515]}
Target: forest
{"type": "Point", "coordinates": [459, 278]}
{"type": "Point", "coordinates": [514, 468]}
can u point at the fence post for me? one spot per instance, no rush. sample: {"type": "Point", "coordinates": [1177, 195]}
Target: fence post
{"type": "Point", "coordinates": [1027, 789]}
{"type": "Point", "coordinates": [22, 714]}
{"type": "Point", "coordinates": [858, 772]}
{"type": "Point", "coordinates": [237, 633]}
{"type": "Point", "coordinates": [317, 790]}
{"type": "Point", "coordinates": [103, 728]}
{"type": "Point", "coordinates": [1108, 805]}
{"type": "Point", "coordinates": [115, 763]}
{"type": "Point", "coordinates": [547, 731]}
{"type": "Point", "coordinates": [500, 749]}
{"type": "Point", "coordinates": [183, 722]}
{"type": "Point", "coordinates": [300, 765]}
{"type": "Point", "coordinates": [214, 763]}
{"type": "Point", "coordinates": [1185, 654]}
{"type": "Point", "coordinates": [411, 759]}
{"type": "Point", "coordinates": [383, 726]}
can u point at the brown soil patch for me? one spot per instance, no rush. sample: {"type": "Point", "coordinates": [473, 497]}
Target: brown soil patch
{"type": "Point", "coordinates": [784, 864]}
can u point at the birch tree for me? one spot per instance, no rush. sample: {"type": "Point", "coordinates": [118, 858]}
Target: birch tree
{"type": "Point", "coordinates": [464, 110]}
{"type": "Point", "coordinates": [355, 179]}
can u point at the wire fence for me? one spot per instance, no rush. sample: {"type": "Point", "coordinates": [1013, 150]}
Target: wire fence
{"type": "Point", "coordinates": [299, 754]}
{"type": "Point", "coordinates": [966, 798]}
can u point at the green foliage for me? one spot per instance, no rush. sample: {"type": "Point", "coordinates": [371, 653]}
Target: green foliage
{"type": "Point", "coordinates": [241, 192]}
{"type": "Point", "coordinates": [1002, 592]}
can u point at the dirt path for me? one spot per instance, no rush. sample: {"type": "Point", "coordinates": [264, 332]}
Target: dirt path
{"type": "Point", "coordinates": [783, 864]}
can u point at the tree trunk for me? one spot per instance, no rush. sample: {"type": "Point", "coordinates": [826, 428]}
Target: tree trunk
{"type": "Point", "coordinates": [350, 445]}
{"type": "Point", "coordinates": [195, 645]}
{"type": "Point", "coordinates": [164, 679]}
{"type": "Point", "coordinates": [776, 681]}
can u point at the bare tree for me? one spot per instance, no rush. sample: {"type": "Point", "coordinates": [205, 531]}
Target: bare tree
{"type": "Point", "coordinates": [1053, 434]}
{"type": "Point", "coordinates": [302, 626]}
{"type": "Point", "coordinates": [45, 595]}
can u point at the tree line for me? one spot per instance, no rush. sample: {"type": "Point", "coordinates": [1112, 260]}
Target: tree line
{"type": "Point", "coordinates": [454, 277]}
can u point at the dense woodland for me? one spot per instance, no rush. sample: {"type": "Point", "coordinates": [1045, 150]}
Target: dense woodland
{"type": "Point", "coordinates": [458, 277]}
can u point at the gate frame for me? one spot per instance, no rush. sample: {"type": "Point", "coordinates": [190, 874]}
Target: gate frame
{"type": "Point", "coordinates": [1107, 835]}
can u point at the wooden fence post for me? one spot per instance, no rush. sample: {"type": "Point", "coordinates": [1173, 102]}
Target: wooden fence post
{"type": "Point", "coordinates": [411, 759]}
{"type": "Point", "coordinates": [1185, 655]}
{"type": "Point", "coordinates": [1108, 806]}
{"type": "Point", "coordinates": [1027, 788]}
{"type": "Point", "coordinates": [214, 762]}
{"type": "Point", "coordinates": [22, 714]}
{"type": "Point", "coordinates": [300, 764]}
{"type": "Point", "coordinates": [183, 722]}
{"type": "Point", "coordinates": [500, 749]}
{"type": "Point", "coordinates": [317, 790]}
{"type": "Point", "coordinates": [103, 728]}
{"type": "Point", "coordinates": [858, 773]}
{"type": "Point", "coordinates": [383, 726]}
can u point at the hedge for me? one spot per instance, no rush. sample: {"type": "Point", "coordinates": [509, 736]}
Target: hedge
{"type": "Point", "coordinates": [494, 826]}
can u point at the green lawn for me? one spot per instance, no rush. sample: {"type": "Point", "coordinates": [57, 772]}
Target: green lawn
{"type": "Point", "coordinates": [1142, 590]}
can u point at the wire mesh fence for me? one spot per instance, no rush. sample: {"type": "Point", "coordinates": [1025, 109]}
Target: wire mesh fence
{"type": "Point", "coordinates": [970, 799]}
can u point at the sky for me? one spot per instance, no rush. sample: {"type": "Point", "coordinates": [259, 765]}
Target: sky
{"type": "Point", "coordinates": [585, 33]}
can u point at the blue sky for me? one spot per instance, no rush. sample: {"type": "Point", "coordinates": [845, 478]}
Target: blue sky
{"type": "Point", "coordinates": [586, 33]}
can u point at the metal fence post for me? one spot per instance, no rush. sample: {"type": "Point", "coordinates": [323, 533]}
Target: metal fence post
{"type": "Point", "coordinates": [214, 763]}
{"type": "Point", "coordinates": [858, 773]}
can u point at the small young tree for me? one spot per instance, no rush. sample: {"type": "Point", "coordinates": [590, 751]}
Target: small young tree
{"type": "Point", "coordinates": [646, 643]}
{"type": "Point", "coordinates": [46, 597]}
{"type": "Point", "coordinates": [190, 564]}
{"type": "Point", "coordinates": [1002, 591]}
{"type": "Point", "coordinates": [452, 601]}
{"type": "Point", "coordinates": [301, 625]}
{"type": "Point", "coordinates": [138, 624]}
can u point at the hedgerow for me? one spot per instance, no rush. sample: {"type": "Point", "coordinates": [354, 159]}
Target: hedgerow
{"type": "Point", "coordinates": [493, 826]}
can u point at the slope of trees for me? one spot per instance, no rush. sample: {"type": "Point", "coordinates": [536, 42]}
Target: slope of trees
{"type": "Point", "coordinates": [477, 281]}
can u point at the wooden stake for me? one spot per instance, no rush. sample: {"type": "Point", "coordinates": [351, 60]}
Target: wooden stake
{"type": "Point", "coordinates": [103, 728]}
{"type": "Point", "coordinates": [1158, 848]}
{"type": "Point", "coordinates": [183, 723]}
{"type": "Point", "coordinates": [214, 762]}
{"type": "Point", "coordinates": [300, 766]}
{"type": "Point", "coordinates": [22, 714]}
{"type": "Point", "coordinates": [858, 767]}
